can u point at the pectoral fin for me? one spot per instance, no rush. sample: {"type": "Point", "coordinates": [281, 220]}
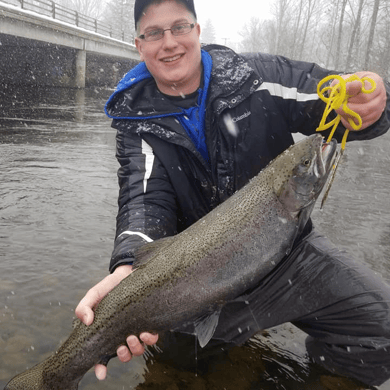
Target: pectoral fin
{"type": "Point", "coordinates": [304, 216]}
{"type": "Point", "coordinates": [205, 327]}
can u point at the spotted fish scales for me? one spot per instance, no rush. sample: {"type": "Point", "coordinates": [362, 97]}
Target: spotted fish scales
{"type": "Point", "coordinates": [188, 278]}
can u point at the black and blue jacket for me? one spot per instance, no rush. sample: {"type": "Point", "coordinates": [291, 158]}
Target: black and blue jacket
{"type": "Point", "coordinates": [176, 165]}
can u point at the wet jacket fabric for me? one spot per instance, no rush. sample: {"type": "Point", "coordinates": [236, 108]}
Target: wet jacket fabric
{"type": "Point", "coordinates": [253, 104]}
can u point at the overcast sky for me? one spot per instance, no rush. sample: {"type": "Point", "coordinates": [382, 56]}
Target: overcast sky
{"type": "Point", "coordinates": [229, 17]}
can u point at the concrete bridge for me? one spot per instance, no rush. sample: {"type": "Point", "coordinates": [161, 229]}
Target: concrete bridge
{"type": "Point", "coordinates": [37, 49]}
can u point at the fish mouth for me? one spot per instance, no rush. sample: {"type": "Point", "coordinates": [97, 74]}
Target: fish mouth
{"type": "Point", "coordinates": [328, 155]}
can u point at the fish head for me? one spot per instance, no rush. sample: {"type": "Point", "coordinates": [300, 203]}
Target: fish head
{"type": "Point", "coordinates": [302, 171]}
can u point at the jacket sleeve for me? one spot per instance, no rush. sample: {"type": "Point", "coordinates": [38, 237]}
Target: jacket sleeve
{"type": "Point", "coordinates": [146, 203]}
{"type": "Point", "coordinates": [293, 84]}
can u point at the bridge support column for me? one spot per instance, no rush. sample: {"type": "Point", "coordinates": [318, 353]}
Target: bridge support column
{"type": "Point", "coordinates": [81, 66]}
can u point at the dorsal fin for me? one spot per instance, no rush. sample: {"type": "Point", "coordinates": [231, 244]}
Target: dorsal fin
{"type": "Point", "coordinates": [145, 252]}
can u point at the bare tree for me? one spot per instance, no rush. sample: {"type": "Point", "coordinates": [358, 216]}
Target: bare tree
{"type": "Point", "coordinates": [91, 8]}
{"type": "Point", "coordinates": [301, 24]}
{"type": "Point", "coordinates": [354, 34]}
{"type": "Point", "coordinates": [372, 32]}
{"type": "Point", "coordinates": [280, 10]}
{"type": "Point", "coordinates": [297, 25]}
{"type": "Point", "coordinates": [252, 36]}
{"type": "Point", "coordinates": [329, 33]}
{"type": "Point", "coordinates": [382, 64]}
{"type": "Point", "coordinates": [340, 33]}
{"type": "Point", "coordinates": [119, 13]}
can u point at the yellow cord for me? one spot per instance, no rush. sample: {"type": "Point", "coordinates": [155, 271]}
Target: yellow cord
{"type": "Point", "coordinates": [336, 97]}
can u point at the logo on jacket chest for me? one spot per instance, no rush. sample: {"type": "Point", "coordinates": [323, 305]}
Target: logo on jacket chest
{"type": "Point", "coordinates": [232, 125]}
{"type": "Point", "coordinates": [241, 117]}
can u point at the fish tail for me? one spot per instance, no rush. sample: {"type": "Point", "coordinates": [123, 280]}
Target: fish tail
{"type": "Point", "coordinates": [34, 379]}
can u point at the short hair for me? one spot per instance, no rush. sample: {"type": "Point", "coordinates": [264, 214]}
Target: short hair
{"type": "Point", "coordinates": [139, 10]}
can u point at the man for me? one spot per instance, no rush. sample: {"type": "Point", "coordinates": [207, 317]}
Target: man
{"type": "Point", "coordinates": [195, 125]}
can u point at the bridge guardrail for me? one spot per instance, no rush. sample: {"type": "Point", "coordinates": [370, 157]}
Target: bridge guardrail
{"type": "Point", "coordinates": [64, 14]}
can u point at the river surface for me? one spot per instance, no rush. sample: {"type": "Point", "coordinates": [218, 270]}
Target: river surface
{"type": "Point", "coordinates": [58, 194]}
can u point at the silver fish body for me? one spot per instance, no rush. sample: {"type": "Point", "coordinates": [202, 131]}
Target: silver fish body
{"type": "Point", "coordinates": [188, 277]}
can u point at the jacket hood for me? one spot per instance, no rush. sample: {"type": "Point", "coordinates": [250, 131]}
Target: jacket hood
{"type": "Point", "coordinates": [134, 93]}
{"type": "Point", "coordinates": [134, 76]}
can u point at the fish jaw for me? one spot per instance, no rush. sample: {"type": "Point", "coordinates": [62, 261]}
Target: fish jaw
{"type": "Point", "coordinates": [329, 155]}
{"type": "Point", "coordinates": [310, 162]}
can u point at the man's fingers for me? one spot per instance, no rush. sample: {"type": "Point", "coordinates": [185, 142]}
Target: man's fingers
{"type": "Point", "coordinates": [353, 88]}
{"type": "Point", "coordinates": [124, 354]}
{"type": "Point", "coordinates": [85, 314]}
{"type": "Point", "coordinates": [369, 112]}
{"type": "Point", "coordinates": [100, 371]}
{"type": "Point", "coordinates": [84, 310]}
{"type": "Point", "coordinates": [149, 338]}
{"type": "Point", "coordinates": [369, 106]}
{"type": "Point", "coordinates": [136, 348]}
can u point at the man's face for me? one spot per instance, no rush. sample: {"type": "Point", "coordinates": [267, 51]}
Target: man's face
{"type": "Point", "coordinates": [173, 61]}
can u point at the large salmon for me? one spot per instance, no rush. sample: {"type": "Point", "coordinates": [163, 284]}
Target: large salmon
{"type": "Point", "coordinates": [188, 277]}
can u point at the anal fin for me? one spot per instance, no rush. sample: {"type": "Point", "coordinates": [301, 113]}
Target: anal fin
{"type": "Point", "coordinates": [106, 358]}
{"type": "Point", "coordinates": [205, 327]}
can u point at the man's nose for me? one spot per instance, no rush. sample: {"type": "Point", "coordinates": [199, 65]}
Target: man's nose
{"type": "Point", "coordinates": [169, 39]}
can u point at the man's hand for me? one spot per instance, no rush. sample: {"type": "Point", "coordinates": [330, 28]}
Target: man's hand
{"type": "Point", "coordinates": [369, 106]}
{"type": "Point", "coordinates": [84, 311]}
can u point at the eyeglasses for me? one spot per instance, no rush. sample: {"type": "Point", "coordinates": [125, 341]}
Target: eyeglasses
{"type": "Point", "coordinates": [176, 30]}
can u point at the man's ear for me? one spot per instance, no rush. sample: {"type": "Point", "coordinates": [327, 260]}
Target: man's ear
{"type": "Point", "coordinates": [198, 29]}
{"type": "Point", "coordinates": [138, 45]}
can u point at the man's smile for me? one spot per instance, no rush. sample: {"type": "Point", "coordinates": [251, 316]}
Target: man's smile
{"type": "Point", "coordinates": [171, 59]}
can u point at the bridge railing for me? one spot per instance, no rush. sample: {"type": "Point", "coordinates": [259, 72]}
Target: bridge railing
{"type": "Point", "coordinates": [64, 14]}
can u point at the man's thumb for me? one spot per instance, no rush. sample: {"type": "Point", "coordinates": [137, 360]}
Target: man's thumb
{"type": "Point", "coordinates": [354, 87]}
{"type": "Point", "coordinates": [84, 313]}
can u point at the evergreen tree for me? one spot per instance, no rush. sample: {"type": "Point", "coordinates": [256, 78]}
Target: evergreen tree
{"type": "Point", "coordinates": [208, 33]}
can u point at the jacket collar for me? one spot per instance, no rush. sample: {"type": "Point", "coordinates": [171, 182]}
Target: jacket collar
{"type": "Point", "coordinates": [136, 95]}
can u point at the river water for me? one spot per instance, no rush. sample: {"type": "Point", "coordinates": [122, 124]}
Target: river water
{"type": "Point", "coordinates": [58, 192]}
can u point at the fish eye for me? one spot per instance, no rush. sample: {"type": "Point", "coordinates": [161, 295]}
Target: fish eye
{"type": "Point", "coordinates": [307, 162]}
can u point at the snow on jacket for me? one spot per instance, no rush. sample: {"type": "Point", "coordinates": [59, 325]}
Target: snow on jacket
{"type": "Point", "coordinates": [254, 102]}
